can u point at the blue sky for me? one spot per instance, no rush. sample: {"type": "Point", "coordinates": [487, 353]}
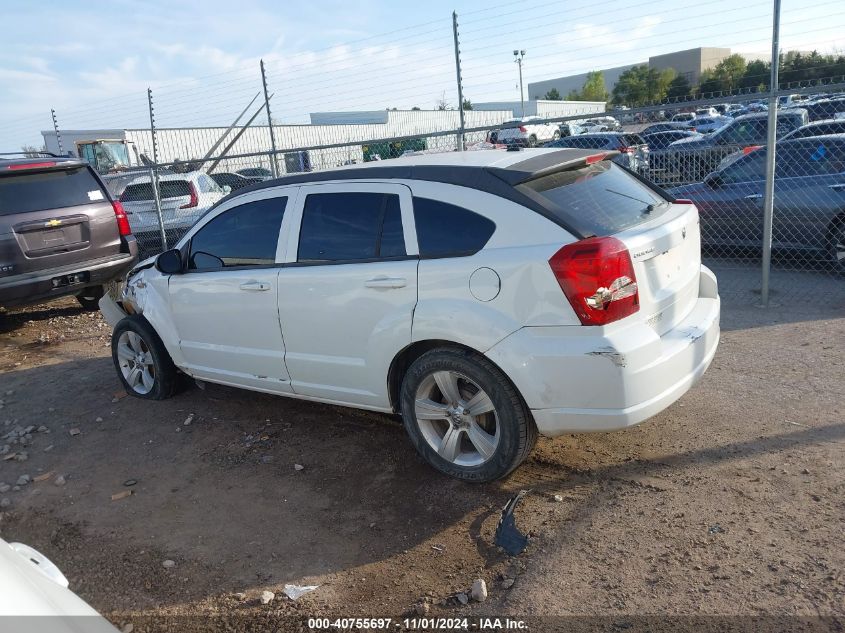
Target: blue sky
{"type": "Point", "coordinates": [92, 61]}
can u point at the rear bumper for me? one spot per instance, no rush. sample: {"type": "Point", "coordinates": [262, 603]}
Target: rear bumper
{"type": "Point", "coordinates": [35, 287]}
{"type": "Point", "coordinates": [577, 381]}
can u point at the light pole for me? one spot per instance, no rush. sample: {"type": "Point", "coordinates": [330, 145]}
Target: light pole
{"type": "Point", "coordinates": [518, 57]}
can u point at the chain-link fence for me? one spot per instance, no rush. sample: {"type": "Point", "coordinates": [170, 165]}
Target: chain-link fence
{"type": "Point", "coordinates": [170, 154]}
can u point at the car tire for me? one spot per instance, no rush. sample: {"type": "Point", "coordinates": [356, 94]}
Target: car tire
{"type": "Point", "coordinates": [494, 137]}
{"type": "Point", "coordinates": [89, 298]}
{"type": "Point", "coordinates": [836, 245]}
{"type": "Point", "coordinates": [532, 141]}
{"type": "Point", "coordinates": [437, 395]}
{"type": "Point", "coordinates": [143, 365]}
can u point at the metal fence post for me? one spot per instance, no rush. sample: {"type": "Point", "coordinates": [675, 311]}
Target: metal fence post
{"type": "Point", "coordinates": [461, 137]}
{"type": "Point", "coordinates": [58, 135]}
{"type": "Point", "coordinates": [154, 171]}
{"type": "Point", "coordinates": [769, 197]}
{"type": "Point", "coordinates": [273, 164]}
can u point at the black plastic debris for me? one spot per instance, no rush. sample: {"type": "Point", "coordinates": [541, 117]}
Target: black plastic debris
{"type": "Point", "coordinates": [508, 537]}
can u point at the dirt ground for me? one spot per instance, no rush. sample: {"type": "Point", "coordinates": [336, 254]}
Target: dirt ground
{"type": "Point", "coordinates": [728, 503]}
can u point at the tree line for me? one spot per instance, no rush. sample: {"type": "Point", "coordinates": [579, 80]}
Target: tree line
{"type": "Point", "coordinates": [641, 85]}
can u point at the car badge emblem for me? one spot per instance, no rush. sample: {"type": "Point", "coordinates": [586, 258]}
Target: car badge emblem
{"type": "Point", "coordinates": [53, 223]}
{"type": "Point", "coordinates": [684, 233]}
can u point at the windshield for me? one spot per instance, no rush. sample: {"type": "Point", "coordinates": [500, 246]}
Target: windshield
{"type": "Point", "coordinates": [600, 199]}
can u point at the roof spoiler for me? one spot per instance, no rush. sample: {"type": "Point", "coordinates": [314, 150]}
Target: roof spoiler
{"type": "Point", "coordinates": [549, 163]}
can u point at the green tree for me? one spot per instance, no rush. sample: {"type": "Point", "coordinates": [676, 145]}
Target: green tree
{"type": "Point", "coordinates": [756, 73]}
{"type": "Point", "coordinates": [729, 72]}
{"type": "Point", "coordinates": [594, 88]}
{"type": "Point", "coordinates": [679, 87]}
{"type": "Point", "coordinates": [467, 104]}
{"type": "Point", "coordinates": [553, 95]}
{"type": "Point", "coordinates": [641, 85]}
{"type": "Point", "coordinates": [573, 95]}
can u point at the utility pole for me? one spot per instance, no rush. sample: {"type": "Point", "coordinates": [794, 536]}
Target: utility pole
{"type": "Point", "coordinates": [461, 138]}
{"type": "Point", "coordinates": [519, 55]}
{"type": "Point", "coordinates": [273, 164]}
{"type": "Point", "coordinates": [771, 139]}
{"type": "Point", "coordinates": [58, 135]}
{"type": "Point", "coordinates": [154, 171]}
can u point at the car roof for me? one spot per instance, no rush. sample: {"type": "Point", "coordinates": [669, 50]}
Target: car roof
{"type": "Point", "coordinates": [494, 171]}
{"type": "Point", "coordinates": [761, 115]}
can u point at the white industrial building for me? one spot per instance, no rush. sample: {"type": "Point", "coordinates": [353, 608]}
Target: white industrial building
{"type": "Point", "coordinates": [332, 138]}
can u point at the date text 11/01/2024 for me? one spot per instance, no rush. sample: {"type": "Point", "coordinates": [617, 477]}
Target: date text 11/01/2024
{"type": "Point", "coordinates": [418, 624]}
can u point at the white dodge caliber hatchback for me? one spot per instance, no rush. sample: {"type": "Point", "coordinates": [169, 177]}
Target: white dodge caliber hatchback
{"type": "Point", "coordinates": [484, 296]}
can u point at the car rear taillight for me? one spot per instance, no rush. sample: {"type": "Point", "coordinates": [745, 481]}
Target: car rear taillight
{"type": "Point", "coordinates": [597, 277]}
{"type": "Point", "coordinates": [123, 227]}
{"type": "Point", "coordinates": [626, 150]}
{"type": "Point", "coordinates": [683, 201]}
{"type": "Point", "coordinates": [749, 149]}
{"type": "Point", "coordinates": [194, 201]}
{"type": "Point", "coordinates": [522, 128]}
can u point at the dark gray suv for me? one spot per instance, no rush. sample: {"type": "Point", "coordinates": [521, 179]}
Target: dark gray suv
{"type": "Point", "coordinates": [60, 232]}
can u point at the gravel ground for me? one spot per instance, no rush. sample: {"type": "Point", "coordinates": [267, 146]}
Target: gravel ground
{"type": "Point", "coordinates": [728, 503]}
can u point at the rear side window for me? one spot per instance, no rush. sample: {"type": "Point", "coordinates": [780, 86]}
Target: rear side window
{"type": "Point", "coordinates": [350, 226]}
{"type": "Point", "coordinates": [167, 189]}
{"type": "Point", "coordinates": [600, 199]}
{"type": "Point", "coordinates": [21, 193]}
{"type": "Point", "coordinates": [246, 235]}
{"type": "Point", "coordinates": [447, 230]}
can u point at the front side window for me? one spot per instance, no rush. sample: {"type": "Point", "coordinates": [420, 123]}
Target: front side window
{"type": "Point", "coordinates": [747, 169]}
{"type": "Point", "coordinates": [351, 226]}
{"type": "Point", "coordinates": [246, 235]}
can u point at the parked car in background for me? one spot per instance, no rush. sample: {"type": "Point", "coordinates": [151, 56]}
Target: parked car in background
{"type": "Point", "coordinates": [61, 233]}
{"type": "Point", "coordinates": [633, 150]}
{"type": "Point", "coordinates": [662, 140]}
{"type": "Point", "coordinates": [708, 124]}
{"type": "Point", "coordinates": [817, 128]}
{"type": "Point", "coordinates": [570, 129]}
{"type": "Point", "coordinates": [825, 109]}
{"type": "Point", "coordinates": [233, 181]}
{"type": "Point", "coordinates": [683, 119]}
{"type": "Point", "coordinates": [809, 213]}
{"type": "Point", "coordinates": [658, 127]}
{"type": "Point", "coordinates": [438, 264]}
{"type": "Point", "coordinates": [255, 172]}
{"type": "Point", "coordinates": [708, 111]}
{"type": "Point", "coordinates": [524, 132]}
{"type": "Point", "coordinates": [658, 144]}
{"type": "Point", "coordinates": [689, 160]}
{"type": "Point", "coordinates": [183, 197]}
{"type": "Point", "coordinates": [601, 124]}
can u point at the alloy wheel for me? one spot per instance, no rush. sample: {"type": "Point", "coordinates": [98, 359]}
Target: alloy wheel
{"type": "Point", "coordinates": [136, 362]}
{"type": "Point", "coordinates": [457, 418]}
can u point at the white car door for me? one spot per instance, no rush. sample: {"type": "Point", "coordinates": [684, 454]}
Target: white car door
{"type": "Point", "coordinates": [348, 290]}
{"type": "Point", "coordinates": [224, 305]}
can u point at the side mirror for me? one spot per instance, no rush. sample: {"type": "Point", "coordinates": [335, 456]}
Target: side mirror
{"type": "Point", "coordinates": [226, 190]}
{"type": "Point", "coordinates": [169, 262]}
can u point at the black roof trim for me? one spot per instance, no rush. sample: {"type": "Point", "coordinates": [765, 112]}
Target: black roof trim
{"type": "Point", "coordinates": [499, 181]}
